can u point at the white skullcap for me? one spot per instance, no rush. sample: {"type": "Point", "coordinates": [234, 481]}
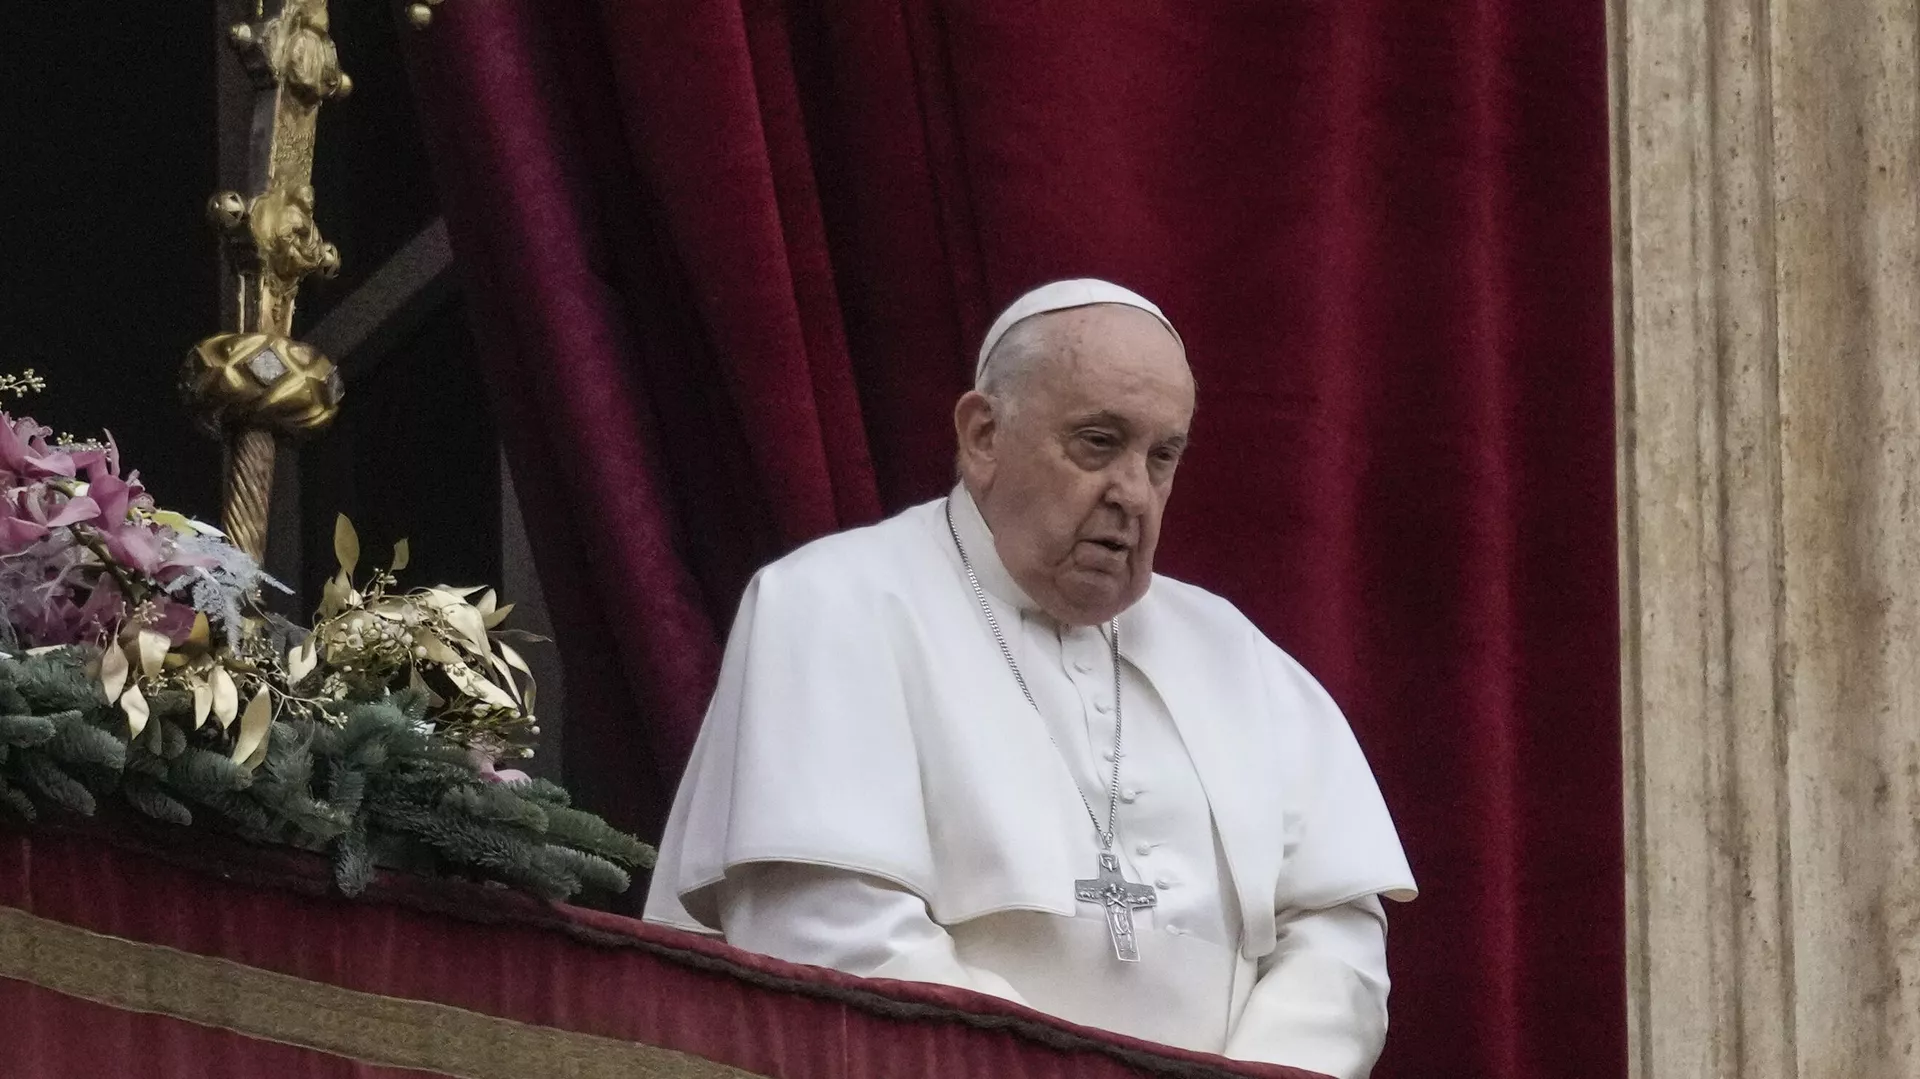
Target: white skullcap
{"type": "Point", "coordinates": [1064, 296]}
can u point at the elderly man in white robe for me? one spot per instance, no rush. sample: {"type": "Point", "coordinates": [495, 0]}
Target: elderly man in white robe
{"type": "Point", "coordinates": [983, 744]}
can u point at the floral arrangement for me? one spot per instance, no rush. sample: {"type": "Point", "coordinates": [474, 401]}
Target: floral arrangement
{"type": "Point", "coordinates": [138, 661]}
{"type": "Point", "coordinates": [439, 641]}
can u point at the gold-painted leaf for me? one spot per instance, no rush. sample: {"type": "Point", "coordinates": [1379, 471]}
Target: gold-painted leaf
{"type": "Point", "coordinates": [513, 658]}
{"type": "Point", "coordinates": [202, 702]}
{"type": "Point", "coordinates": [402, 554]}
{"type": "Point", "coordinates": [349, 595]}
{"type": "Point", "coordinates": [202, 634]}
{"type": "Point", "coordinates": [493, 694]}
{"type": "Point", "coordinates": [438, 599]}
{"type": "Point", "coordinates": [467, 622]}
{"type": "Point", "coordinates": [437, 650]}
{"type": "Point", "coordinates": [259, 754]}
{"type": "Point", "coordinates": [113, 670]}
{"type": "Point", "coordinates": [506, 676]}
{"type": "Point", "coordinates": [473, 685]}
{"type": "Point", "coordinates": [499, 615]}
{"type": "Point", "coordinates": [253, 727]}
{"type": "Point", "coordinates": [226, 697]}
{"type": "Point", "coordinates": [134, 704]}
{"type": "Point", "coordinates": [346, 544]}
{"type": "Point", "coordinates": [301, 659]}
{"type": "Point", "coordinates": [153, 652]}
{"type": "Point", "coordinates": [391, 608]}
{"type": "Point", "coordinates": [462, 677]}
{"type": "Point", "coordinates": [333, 595]}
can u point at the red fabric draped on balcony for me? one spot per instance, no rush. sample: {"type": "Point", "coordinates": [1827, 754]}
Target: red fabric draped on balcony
{"type": "Point", "coordinates": [729, 258]}
{"type": "Point", "coordinates": [169, 954]}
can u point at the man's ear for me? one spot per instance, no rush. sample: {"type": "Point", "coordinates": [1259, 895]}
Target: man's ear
{"type": "Point", "coordinates": [976, 420]}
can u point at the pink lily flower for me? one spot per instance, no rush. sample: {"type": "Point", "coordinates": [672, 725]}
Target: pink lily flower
{"type": "Point", "coordinates": [17, 534]}
{"type": "Point", "coordinates": [24, 452]}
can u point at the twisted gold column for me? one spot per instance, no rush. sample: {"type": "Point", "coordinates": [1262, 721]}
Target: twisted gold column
{"type": "Point", "coordinates": [249, 489]}
{"type": "Point", "coordinates": [254, 383]}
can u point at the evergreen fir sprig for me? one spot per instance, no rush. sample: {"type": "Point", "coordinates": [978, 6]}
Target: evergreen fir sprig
{"type": "Point", "coordinates": [368, 776]}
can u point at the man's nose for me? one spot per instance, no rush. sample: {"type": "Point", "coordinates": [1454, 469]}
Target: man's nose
{"type": "Point", "coordinates": [1131, 489]}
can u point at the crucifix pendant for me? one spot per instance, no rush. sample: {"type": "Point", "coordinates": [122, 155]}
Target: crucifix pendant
{"type": "Point", "coordinates": [1121, 899]}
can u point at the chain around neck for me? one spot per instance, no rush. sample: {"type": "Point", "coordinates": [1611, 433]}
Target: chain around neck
{"type": "Point", "coordinates": [1113, 641]}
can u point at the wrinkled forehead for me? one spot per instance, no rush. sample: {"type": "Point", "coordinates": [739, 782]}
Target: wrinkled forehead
{"type": "Point", "coordinates": [1111, 339]}
{"type": "Point", "coordinates": [1113, 324]}
{"type": "Point", "coordinates": [1113, 356]}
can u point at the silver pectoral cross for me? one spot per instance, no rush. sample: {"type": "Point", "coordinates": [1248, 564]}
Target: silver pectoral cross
{"type": "Point", "coordinates": [1120, 898]}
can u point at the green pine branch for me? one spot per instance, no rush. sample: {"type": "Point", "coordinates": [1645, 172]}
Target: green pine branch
{"type": "Point", "coordinates": [24, 730]}
{"type": "Point", "coordinates": [78, 743]}
{"type": "Point", "coordinates": [146, 795]}
{"type": "Point", "coordinates": [588, 833]}
{"type": "Point", "coordinates": [363, 777]}
{"type": "Point", "coordinates": [16, 803]}
{"type": "Point", "coordinates": [50, 782]}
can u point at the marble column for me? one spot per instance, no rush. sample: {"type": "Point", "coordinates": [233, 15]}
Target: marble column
{"type": "Point", "coordinates": [1767, 225]}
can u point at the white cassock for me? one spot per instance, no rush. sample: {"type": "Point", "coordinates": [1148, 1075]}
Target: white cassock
{"type": "Point", "coordinates": [871, 792]}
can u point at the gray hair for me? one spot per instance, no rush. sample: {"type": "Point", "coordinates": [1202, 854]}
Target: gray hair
{"type": "Point", "coordinates": [1018, 353]}
{"type": "Point", "coordinates": [1021, 351]}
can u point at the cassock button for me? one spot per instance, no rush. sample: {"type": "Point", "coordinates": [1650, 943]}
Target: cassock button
{"type": "Point", "coordinates": [1143, 848]}
{"type": "Point", "coordinates": [1102, 707]}
{"type": "Point", "coordinates": [1108, 754]}
{"type": "Point", "coordinates": [1128, 794]}
{"type": "Point", "coordinates": [1163, 883]}
{"type": "Point", "coordinates": [1082, 666]}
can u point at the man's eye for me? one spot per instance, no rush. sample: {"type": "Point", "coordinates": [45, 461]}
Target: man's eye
{"type": "Point", "coordinates": [1099, 440]}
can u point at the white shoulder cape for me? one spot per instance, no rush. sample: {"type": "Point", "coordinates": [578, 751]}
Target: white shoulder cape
{"type": "Point", "coordinates": [865, 720]}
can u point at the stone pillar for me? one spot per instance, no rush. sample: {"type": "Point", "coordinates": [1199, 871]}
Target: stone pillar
{"type": "Point", "coordinates": [1767, 225]}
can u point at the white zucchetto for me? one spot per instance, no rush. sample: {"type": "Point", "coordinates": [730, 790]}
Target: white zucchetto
{"type": "Point", "coordinates": [1064, 296]}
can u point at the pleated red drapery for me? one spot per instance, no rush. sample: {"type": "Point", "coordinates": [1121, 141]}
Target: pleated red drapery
{"type": "Point", "coordinates": [158, 953]}
{"type": "Point", "coordinates": [729, 260]}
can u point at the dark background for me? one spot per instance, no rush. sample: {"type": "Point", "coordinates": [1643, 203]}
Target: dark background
{"type": "Point", "coordinates": [110, 272]}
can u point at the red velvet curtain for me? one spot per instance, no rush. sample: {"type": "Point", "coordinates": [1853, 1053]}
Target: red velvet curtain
{"type": "Point", "coordinates": [731, 258]}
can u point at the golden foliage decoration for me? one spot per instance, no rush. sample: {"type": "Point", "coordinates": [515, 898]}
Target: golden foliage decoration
{"type": "Point", "coordinates": [443, 640]}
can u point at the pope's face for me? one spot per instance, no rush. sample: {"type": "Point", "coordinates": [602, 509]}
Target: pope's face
{"type": "Point", "coordinates": [1074, 477]}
